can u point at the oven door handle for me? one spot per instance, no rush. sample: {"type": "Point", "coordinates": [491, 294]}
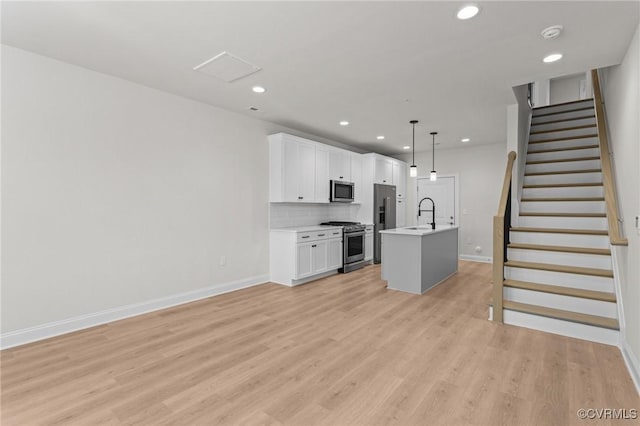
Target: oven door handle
{"type": "Point", "coordinates": [354, 234]}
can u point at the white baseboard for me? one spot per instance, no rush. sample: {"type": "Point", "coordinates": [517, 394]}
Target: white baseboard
{"type": "Point", "coordinates": [633, 365]}
{"type": "Point", "coordinates": [56, 328]}
{"type": "Point", "coordinates": [473, 258]}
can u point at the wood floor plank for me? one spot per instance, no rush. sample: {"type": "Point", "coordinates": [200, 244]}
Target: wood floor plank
{"type": "Point", "coordinates": [342, 350]}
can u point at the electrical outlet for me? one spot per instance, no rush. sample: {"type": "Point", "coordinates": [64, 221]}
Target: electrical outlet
{"type": "Point", "coordinates": [223, 260]}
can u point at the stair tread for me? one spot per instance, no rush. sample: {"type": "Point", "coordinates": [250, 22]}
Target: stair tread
{"type": "Point", "coordinates": [569, 138]}
{"type": "Point", "coordinates": [563, 112]}
{"type": "Point", "coordinates": [562, 103]}
{"type": "Point", "coordinates": [562, 214]}
{"type": "Point", "coordinates": [564, 129]}
{"type": "Point", "coordinates": [565, 291]}
{"type": "Point", "coordinates": [587, 319]}
{"type": "Point", "coordinates": [607, 273]}
{"type": "Point", "coordinates": [584, 117]}
{"type": "Point", "coordinates": [567, 249]}
{"type": "Point", "coordinates": [562, 185]}
{"type": "Point", "coordinates": [572, 148]}
{"type": "Point", "coordinates": [560, 231]}
{"type": "Point", "coordinates": [546, 199]}
{"type": "Point", "coordinates": [564, 160]}
{"type": "Point", "coordinates": [564, 172]}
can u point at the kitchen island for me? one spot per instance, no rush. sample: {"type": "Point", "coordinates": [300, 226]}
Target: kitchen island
{"type": "Point", "coordinates": [415, 259]}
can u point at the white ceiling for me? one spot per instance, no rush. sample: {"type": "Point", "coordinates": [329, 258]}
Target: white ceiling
{"type": "Point", "coordinates": [376, 64]}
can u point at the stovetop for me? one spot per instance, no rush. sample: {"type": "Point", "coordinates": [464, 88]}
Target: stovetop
{"type": "Point", "coordinates": [347, 226]}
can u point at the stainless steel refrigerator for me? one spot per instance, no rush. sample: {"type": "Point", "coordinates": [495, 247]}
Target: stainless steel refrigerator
{"type": "Point", "coordinates": [384, 215]}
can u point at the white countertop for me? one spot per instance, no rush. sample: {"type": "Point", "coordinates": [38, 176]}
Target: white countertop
{"type": "Point", "coordinates": [418, 230]}
{"type": "Point", "coordinates": [310, 228]}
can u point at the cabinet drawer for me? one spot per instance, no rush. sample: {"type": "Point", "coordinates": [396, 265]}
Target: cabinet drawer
{"type": "Point", "coordinates": [369, 229]}
{"type": "Point", "coordinates": [304, 237]}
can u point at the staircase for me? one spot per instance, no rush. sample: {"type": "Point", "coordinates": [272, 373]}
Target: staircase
{"type": "Point", "coordinates": [558, 273]}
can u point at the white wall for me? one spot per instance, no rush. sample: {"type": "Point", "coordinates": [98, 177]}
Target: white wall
{"type": "Point", "coordinates": [115, 194]}
{"type": "Point", "coordinates": [622, 106]}
{"type": "Point", "coordinates": [566, 88]}
{"type": "Point", "coordinates": [481, 170]}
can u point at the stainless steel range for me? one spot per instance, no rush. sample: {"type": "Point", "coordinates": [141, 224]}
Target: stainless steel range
{"type": "Point", "coordinates": [352, 244]}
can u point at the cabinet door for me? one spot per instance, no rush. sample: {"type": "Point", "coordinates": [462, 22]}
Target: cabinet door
{"type": "Point", "coordinates": [400, 178]}
{"type": "Point", "coordinates": [368, 246]}
{"type": "Point", "coordinates": [318, 257]}
{"type": "Point", "coordinates": [304, 258]}
{"type": "Point", "coordinates": [306, 172]}
{"type": "Point", "coordinates": [290, 170]}
{"type": "Point", "coordinates": [334, 254]}
{"type": "Point", "coordinates": [384, 171]}
{"type": "Point", "coordinates": [322, 174]}
{"type": "Point", "coordinates": [401, 212]}
{"type": "Point", "coordinates": [340, 165]}
{"type": "Point", "coordinates": [356, 177]}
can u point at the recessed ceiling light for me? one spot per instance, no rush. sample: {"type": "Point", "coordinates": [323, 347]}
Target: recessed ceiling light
{"type": "Point", "coordinates": [258, 89]}
{"type": "Point", "coordinates": [465, 140]}
{"type": "Point", "coordinates": [406, 147]}
{"type": "Point", "coordinates": [552, 58]}
{"type": "Point", "coordinates": [380, 137]}
{"type": "Point", "coordinates": [468, 12]}
{"type": "Point", "coordinates": [344, 123]}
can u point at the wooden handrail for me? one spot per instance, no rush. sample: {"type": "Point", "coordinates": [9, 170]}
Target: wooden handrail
{"type": "Point", "coordinates": [610, 196]}
{"type": "Point", "coordinates": [500, 232]}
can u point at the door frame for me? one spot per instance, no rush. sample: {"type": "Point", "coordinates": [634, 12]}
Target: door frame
{"type": "Point", "coordinates": [456, 196]}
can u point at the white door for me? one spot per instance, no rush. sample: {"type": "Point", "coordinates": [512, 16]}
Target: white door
{"type": "Point", "coordinates": [303, 260]}
{"type": "Point", "coordinates": [443, 193]}
{"type": "Point", "coordinates": [318, 257]}
{"type": "Point", "coordinates": [322, 175]}
{"type": "Point", "coordinates": [307, 172]}
{"type": "Point", "coordinates": [384, 171]}
{"type": "Point", "coordinates": [334, 254]}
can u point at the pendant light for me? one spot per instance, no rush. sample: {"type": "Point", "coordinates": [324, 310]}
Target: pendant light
{"type": "Point", "coordinates": [433, 176]}
{"type": "Point", "coordinates": [413, 170]}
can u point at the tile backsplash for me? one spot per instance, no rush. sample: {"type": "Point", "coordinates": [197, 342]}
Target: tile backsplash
{"type": "Point", "coordinates": [282, 215]}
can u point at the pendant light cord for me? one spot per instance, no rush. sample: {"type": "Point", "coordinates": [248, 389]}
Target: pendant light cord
{"type": "Point", "coordinates": [414, 144]}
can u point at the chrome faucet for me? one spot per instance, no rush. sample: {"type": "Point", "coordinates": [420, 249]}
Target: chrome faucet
{"type": "Point", "coordinates": [433, 211]}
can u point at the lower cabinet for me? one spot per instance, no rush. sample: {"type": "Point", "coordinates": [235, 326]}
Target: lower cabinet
{"type": "Point", "coordinates": [401, 211]}
{"type": "Point", "coordinates": [296, 257]}
{"type": "Point", "coordinates": [368, 243]}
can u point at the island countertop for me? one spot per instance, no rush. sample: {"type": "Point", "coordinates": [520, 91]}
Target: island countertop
{"type": "Point", "coordinates": [417, 230]}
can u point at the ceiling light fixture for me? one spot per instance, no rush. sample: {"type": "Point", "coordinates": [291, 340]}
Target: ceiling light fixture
{"type": "Point", "coordinates": [465, 140]}
{"type": "Point", "coordinates": [344, 123]}
{"type": "Point", "coordinates": [468, 12]}
{"type": "Point", "coordinates": [552, 32]}
{"type": "Point", "coordinates": [406, 147]}
{"type": "Point", "coordinates": [380, 137]}
{"type": "Point", "coordinates": [433, 176]}
{"type": "Point", "coordinates": [258, 89]}
{"type": "Point", "coordinates": [552, 58]}
{"type": "Point", "coordinates": [413, 170]}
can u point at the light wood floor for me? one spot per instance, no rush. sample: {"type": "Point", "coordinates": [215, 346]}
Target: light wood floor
{"type": "Point", "coordinates": [339, 351]}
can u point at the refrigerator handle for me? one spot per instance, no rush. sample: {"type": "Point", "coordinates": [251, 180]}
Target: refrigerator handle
{"type": "Point", "coordinates": [386, 211]}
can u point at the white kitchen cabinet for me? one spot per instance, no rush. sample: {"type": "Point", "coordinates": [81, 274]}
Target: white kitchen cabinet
{"type": "Point", "coordinates": [384, 171]}
{"type": "Point", "coordinates": [400, 178]}
{"type": "Point", "coordinates": [297, 256]}
{"type": "Point", "coordinates": [401, 212]}
{"type": "Point", "coordinates": [340, 165]}
{"type": "Point", "coordinates": [356, 176]}
{"type": "Point", "coordinates": [322, 174]}
{"type": "Point", "coordinates": [292, 169]}
{"type": "Point", "coordinates": [368, 243]}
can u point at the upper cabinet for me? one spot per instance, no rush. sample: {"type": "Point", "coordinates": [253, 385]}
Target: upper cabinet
{"type": "Point", "coordinates": [292, 169]}
{"type": "Point", "coordinates": [400, 178]}
{"type": "Point", "coordinates": [383, 170]}
{"type": "Point", "coordinates": [322, 173]}
{"type": "Point", "coordinates": [357, 176]}
{"type": "Point", "coordinates": [340, 165]}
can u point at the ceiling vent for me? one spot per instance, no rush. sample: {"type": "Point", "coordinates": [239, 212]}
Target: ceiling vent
{"type": "Point", "coordinates": [227, 67]}
{"type": "Point", "coordinates": [552, 32]}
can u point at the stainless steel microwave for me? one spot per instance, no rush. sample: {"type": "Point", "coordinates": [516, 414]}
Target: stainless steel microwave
{"type": "Point", "coordinates": [341, 192]}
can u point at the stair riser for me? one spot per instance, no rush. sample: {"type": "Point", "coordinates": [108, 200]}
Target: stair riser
{"type": "Point", "coordinates": [570, 240]}
{"type": "Point", "coordinates": [560, 116]}
{"type": "Point", "coordinates": [585, 282]}
{"type": "Point", "coordinates": [564, 124]}
{"type": "Point", "coordinates": [561, 155]}
{"type": "Point", "coordinates": [563, 328]}
{"type": "Point", "coordinates": [562, 207]}
{"type": "Point", "coordinates": [562, 144]}
{"type": "Point", "coordinates": [560, 258]}
{"type": "Point", "coordinates": [563, 166]}
{"type": "Point", "coordinates": [566, 107]}
{"type": "Point", "coordinates": [587, 223]}
{"type": "Point", "coordinates": [563, 192]}
{"type": "Point", "coordinates": [561, 133]}
{"type": "Point", "coordinates": [564, 178]}
{"type": "Point", "coordinates": [565, 303]}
